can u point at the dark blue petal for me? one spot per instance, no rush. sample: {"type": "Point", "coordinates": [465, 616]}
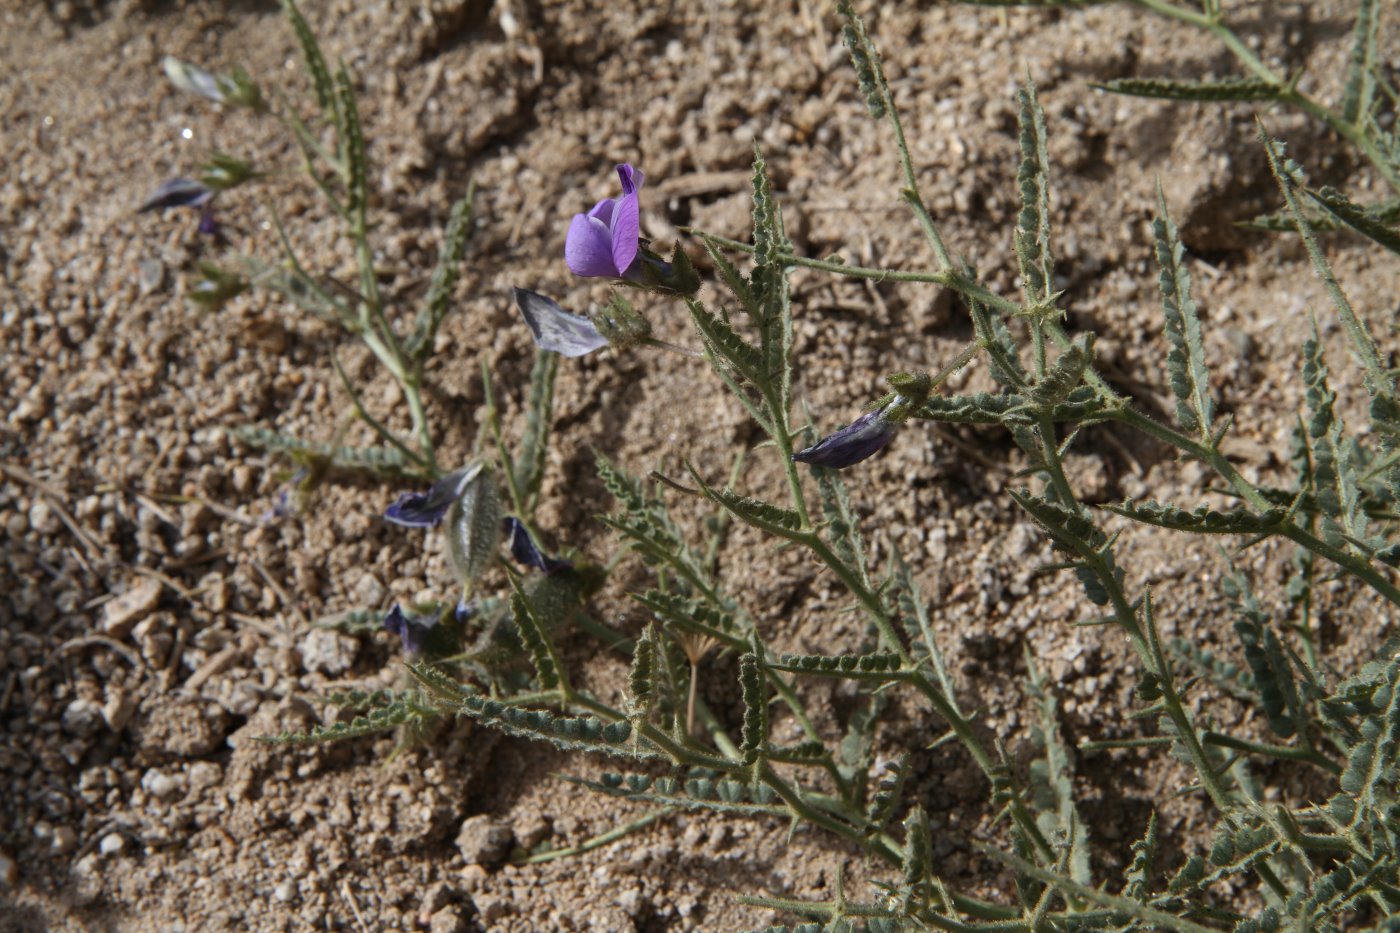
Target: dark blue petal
{"type": "Point", "coordinates": [857, 441]}
{"type": "Point", "coordinates": [412, 630]}
{"type": "Point", "coordinates": [464, 612]}
{"type": "Point", "coordinates": [427, 509]}
{"type": "Point", "coordinates": [177, 192]}
{"type": "Point", "coordinates": [526, 552]}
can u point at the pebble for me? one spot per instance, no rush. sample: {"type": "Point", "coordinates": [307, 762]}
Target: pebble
{"type": "Point", "coordinates": [150, 275]}
{"type": "Point", "coordinates": [64, 840]}
{"type": "Point", "coordinates": [329, 652]}
{"type": "Point", "coordinates": [82, 717]}
{"type": "Point", "coordinates": [111, 844]}
{"type": "Point", "coordinates": [484, 840]}
{"type": "Point", "coordinates": [9, 870]}
{"type": "Point", "coordinates": [119, 615]}
{"type": "Point", "coordinates": [159, 784]}
{"type": "Point", "coordinates": [285, 891]}
{"type": "Point", "coordinates": [118, 709]}
{"type": "Point", "coordinates": [43, 518]}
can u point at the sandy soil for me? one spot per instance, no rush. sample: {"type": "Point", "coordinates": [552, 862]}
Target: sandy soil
{"type": "Point", "coordinates": [135, 798]}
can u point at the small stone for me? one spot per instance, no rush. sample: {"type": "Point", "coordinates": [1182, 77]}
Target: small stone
{"type": "Point", "coordinates": [449, 920]}
{"type": "Point", "coordinates": [135, 604]}
{"type": "Point", "coordinates": [159, 784]}
{"type": "Point", "coordinates": [82, 717]}
{"type": "Point", "coordinates": [117, 711]}
{"type": "Point", "coordinates": [150, 275]}
{"type": "Point", "coordinates": [438, 897]}
{"type": "Point", "coordinates": [64, 840]}
{"type": "Point", "coordinates": [9, 870]}
{"type": "Point", "coordinates": [43, 518]}
{"type": "Point", "coordinates": [111, 844]}
{"type": "Point", "coordinates": [205, 774]}
{"type": "Point", "coordinates": [484, 840]}
{"type": "Point", "coordinates": [285, 891]}
{"type": "Point", "coordinates": [329, 652]}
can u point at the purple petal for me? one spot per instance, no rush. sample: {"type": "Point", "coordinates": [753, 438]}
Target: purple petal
{"type": "Point", "coordinates": [177, 192]}
{"type": "Point", "coordinates": [857, 441]}
{"type": "Point", "coordinates": [626, 231]}
{"type": "Point", "coordinates": [526, 552]}
{"type": "Point", "coordinates": [632, 178]}
{"type": "Point", "coordinates": [588, 250]}
{"type": "Point", "coordinates": [412, 630]}
{"type": "Point", "coordinates": [556, 329]}
{"type": "Point", "coordinates": [603, 210]}
{"type": "Point", "coordinates": [427, 509]}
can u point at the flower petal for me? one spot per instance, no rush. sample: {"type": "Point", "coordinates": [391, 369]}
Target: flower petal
{"type": "Point", "coordinates": [632, 178]}
{"type": "Point", "coordinates": [626, 232]}
{"type": "Point", "coordinates": [427, 509]}
{"type": "Point", "coordinates": [556, 329]}
{"type": "Point", "coordinates": [412, 629]}
{"type": "Point", "coordinates": [588, 250]}
{"type": "Point", "coordinates": [177, 192]}
{"type": "Point", "coordinates": [603, 210]}
{"type": "Point", "coordinates": [526, 552]}
{"type": "Point", "coordinates": [859, 440]}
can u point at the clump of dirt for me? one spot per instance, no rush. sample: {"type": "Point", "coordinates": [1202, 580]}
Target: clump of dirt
{"type": "Point", "coordinates": [155, 622]}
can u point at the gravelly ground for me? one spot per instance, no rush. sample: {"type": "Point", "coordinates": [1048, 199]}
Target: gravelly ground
{"type": "Point", "coordinates": [152, 623]}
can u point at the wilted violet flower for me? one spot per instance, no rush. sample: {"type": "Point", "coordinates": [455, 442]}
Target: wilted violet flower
{"type": "Point", "coordinates": [183, 192]}
{"type": "Point", "coordinates": [427, 509]}
{"type": "Point", "coordinates": [526, 552]}
{"type": "Point", "coordinates": [857, 441]}
{"type": "Point", "coordinates": [556, 329]}
{"type": "Point", "coordinates": [177, 192]}
{"type": "Point", "coordinates": [236, 88]}
{"type": "Point", "coordinates": [412, 629]}
{"type": "Point", "coordinates": [607, 240]}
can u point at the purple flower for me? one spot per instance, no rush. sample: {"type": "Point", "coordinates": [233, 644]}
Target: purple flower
{"type": "Point", "coordinates": [607, 240]}
{"type": "Point", "coordinates": [526, 552]}
{"type": "Point", "coordinates": [556, 329]}
{"type": "Point", "coordinates": [857, 441]}
{"type": "Point", "coordinates": [427, 509]}
{"type": "Point", "coordinates": [412, 629]}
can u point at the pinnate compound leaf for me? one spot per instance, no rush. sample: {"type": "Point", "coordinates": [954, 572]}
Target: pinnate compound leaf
{"type": "Point", "coordinates": [1202, 520]}
{"type": "Point", "coordinates": [1364, 221]}
{"type": "Point", "coordinates": [529, 466]}
{"type": "Point", "coordinates": [776, 520]}
{"type": "Point", "coordinates": [726, 345]}
{"type": "Point", "coordinates": [697, 793]}
{"type": "Point", "coordinates": [380, 461]}
{"type": "Point", "coordinates": [315, 61]}
{"type": "Point", "coordinates": [874, 667]}
{"type": "Point", "coordinates": [1052, 781]}
{"type": "Point", "coordinates": [419, 344]}
{"type": "Point", "coordinates": [537, 642]}
{"type": "Point", "coordinates": [1336, 490]}
{"type": "Point", "coordinates": [754, 687]}
{"type": "Point", "coordinates": [1273, 673]}
{"type": "Point", "coordinates": [1033, 222]}
{"type": "Point", "coordinates": [1186, 367]}
{"type": "Point", "coordinates": [1061, 379]}
{"type": "Point", "coordinates": [1173, 89]}
{"type": "Point", "coordinates": [1360, 84]}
